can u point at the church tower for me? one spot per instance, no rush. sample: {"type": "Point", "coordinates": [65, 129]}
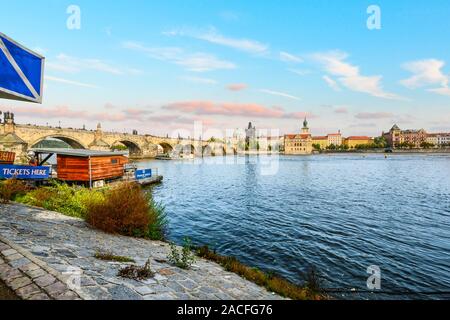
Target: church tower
{"type": "Point", "coordinates": [305, 129]}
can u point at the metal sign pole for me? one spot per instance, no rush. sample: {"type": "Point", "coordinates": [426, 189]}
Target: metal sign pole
{"type": "Point", "coordinates": [90, 173]}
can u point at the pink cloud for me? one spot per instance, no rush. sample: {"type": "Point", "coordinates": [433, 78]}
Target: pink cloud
{"type": "Point", "coordinates": [64, 112]}
{"type": "Point", "coordinates": [225, 109]}
{"type": "Point", "coordinates": [234, 109]}
{"type": "Point", "coordinates": [237, 86]}
{"type": "Point", "coordinates": [341, 110]}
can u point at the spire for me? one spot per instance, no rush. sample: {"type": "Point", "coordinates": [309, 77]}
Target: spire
{"type": "Point", "coordinates": [305, 129]}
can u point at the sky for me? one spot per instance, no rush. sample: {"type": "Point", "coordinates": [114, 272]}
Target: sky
{"type": "Point", "coordinates": [160, 66]}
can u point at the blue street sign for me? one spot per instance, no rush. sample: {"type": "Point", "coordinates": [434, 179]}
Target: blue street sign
{"type": "Point", "coordinates": [143, 174]}
{"type": "Point", "coordinates": [21, 72]}
{"type": "Point", "coordinates": [24, 172]}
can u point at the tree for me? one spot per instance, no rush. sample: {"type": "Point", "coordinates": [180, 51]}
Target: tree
{"type": "Point", "coordinates": [119, 148]}
{"type": "Point", "coordinates": [380, 142]}
{"type": "Point", "coordinates": [317, 146]}
{"type": "Point", "coordinates": [426, 145]}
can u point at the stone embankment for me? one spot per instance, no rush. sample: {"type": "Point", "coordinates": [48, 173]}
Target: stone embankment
{"type": "Point", "coordinates": [45, 255]}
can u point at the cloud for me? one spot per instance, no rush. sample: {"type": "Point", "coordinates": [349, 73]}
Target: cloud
{"type": "Point", "coordinates": [109, 106]}
{"type": "Point", "coordinates": [197, 62]}
{"type": "Point", "coordinates": [171, 118]}
{"type": "Point", "coordinates": [65, 112]}
{"type": "Point", "coordinates": [136, 113]}
{"type": "Point", "coordinates": [237, 86]}
{"type": "Point", "coordinates": [69, 82]}
{"type": "Point", "coordinates": [444, 91]}
{"type": "Point", "coordinates": [280, 94]}
{"type": "Point", "coordinates": [212, 36]}
{"type": "Point", "coordinates": [287, 57]}
{"type": "Point", "coordinates": [427, 73]}
{"type": "Point", "coordinates": [374, 115]}
{"type": "Point", "coordinates": [341, 110]}
{"type": "Point", "coordinates": [363, 125]}
{"type": "Point", "coordinates": [70, 64]}
{"type": "Point", "coordinates": [299, 115]}
{"type": "Point", "coordinates": [199, 80]}
{"type": "Point", "coordinates": [332, 83]}
{"type": "Point", "coordinates": [231, 109]}
{"type": "Point", "coordinates": [350, 76]}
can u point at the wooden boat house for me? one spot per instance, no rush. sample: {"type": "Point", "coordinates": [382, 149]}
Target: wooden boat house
{"type": "Point", "coordinates": [93, 168]}
{"type": "Point", "coordinates": [7, 157]}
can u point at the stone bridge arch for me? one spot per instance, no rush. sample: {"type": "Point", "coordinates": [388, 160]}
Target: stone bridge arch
{"type": "Point", "coordinates": [72, 142]}
{"type": "Point", "coordinates": [134, 148]}
{"type": "Point", "coordinates": [184, 148]}
{"type": "Point", "coordinates": [166, 147]}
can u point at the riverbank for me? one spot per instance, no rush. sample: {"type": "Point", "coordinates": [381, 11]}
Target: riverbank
{"type": "Point", "coordinates": [68, 246]}
{"type": "Point", "coordinates": [385, 151]}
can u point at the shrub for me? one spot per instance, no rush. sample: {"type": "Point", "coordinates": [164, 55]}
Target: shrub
{"type": "Point", "coordinates": [157, 228]}
{"type": "Point", "coordinates": [70, 201]}
{"type": "Point", "coordinates": [129, 211]}
{"type": "Point", "coordinates": [183, 258]}
{"type": "Point", "coordinates": [12, 188]}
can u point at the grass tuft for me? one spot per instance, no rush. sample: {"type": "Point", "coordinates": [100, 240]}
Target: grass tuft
{"type": "Point", "coordinates": [109, 256]}
{"type": "Point", "coordinates": [271, 282]}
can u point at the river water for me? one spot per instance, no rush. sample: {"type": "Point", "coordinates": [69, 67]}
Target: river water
{"type": "Point", "coordinates": [339, 214]}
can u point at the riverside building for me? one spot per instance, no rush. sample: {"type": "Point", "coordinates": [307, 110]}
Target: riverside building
{"type": "Point", "coordinates": [299, 144]}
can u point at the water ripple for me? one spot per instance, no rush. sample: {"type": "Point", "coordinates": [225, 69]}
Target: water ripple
{"type": "Point", "coordinates": [340, 214]}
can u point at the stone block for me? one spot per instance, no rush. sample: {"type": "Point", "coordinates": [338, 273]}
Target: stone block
{"type": "Point", "coordinates": [33, 274]}
{"type": "Point", "coordinates": [8, 252]}
{"type": "Point", "coordinates": [28, 291]}
{"type": "Point", "coordinates": [39, 296]}
{"type": "Point", "coordinates": [29, 267]}
{"type": "Point", "coordinates": [144, 290]}
{"type": "Point", "coordinates": [45, 280]}
{"type": "Point", "coordinates": [13, 257]}
{"type": "Point", "coordinates": [19, 283]}
{"type": "Point", "coordinates": [56, 289]}
{"type": "Point", "coordinates": [19, 262]}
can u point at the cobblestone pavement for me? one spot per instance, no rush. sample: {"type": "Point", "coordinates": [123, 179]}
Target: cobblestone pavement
{"type": "Point", "coordinates": [55, 253]}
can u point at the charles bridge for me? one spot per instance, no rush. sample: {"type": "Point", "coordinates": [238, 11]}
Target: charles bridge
{"type": "Point", "coordinates": [21, 138]}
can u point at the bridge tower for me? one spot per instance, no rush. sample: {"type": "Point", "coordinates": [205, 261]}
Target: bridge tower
{"type": "Point", "coordinates": [98, 143]}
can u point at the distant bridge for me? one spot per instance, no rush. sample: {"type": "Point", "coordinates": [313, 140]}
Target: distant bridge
{"type": "Point", "coordinates": [20, 138]}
